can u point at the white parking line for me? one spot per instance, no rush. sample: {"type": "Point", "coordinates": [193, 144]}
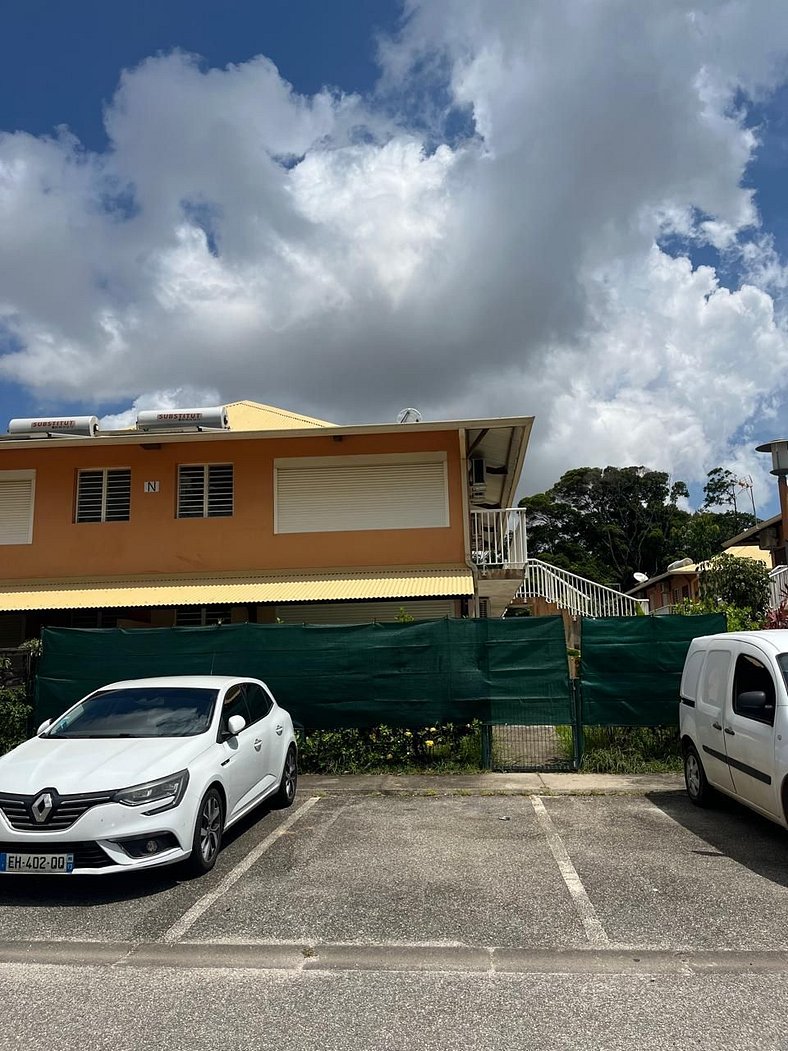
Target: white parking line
{"type": "Point", "coordinates": [188, 920]}
{"type": "Point", "coordinates": [595, 932]}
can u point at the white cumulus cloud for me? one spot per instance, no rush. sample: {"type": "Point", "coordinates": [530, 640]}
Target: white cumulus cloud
{"type": "Point", "coordinates": [347, 256]}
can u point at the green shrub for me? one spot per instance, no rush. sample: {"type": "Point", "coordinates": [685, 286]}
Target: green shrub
{"type": "Point", "coordinates": [447, 747]}
{"type": "Point", "coordinates": [738, 618]}
{"type": "Point", "coordinates": [15, 715]}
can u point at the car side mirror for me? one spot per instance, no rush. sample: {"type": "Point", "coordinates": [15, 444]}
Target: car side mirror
{"type": "Point", "coordinates": [44, 726]}
{"type": "Point", "coordinates": [235, 724]}
{"type": "Point", "coordinates": [751, 702]}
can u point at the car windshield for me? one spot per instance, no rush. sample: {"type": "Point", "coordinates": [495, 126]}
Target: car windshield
{"type": "Point", "coordinates": [782, 660]}
{"type": "Point", "coordinates": [139, 711]}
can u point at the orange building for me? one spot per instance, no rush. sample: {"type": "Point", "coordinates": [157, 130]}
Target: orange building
{"type": "Point", "coordinates": [249, 512]}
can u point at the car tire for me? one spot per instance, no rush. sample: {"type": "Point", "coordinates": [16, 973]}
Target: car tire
{"type": "Point", "coordinates": [698, 788]}
{"type": "Point", "coordinates": [286, 793]}
{"type": "Point", "coordinates": [208, 831]}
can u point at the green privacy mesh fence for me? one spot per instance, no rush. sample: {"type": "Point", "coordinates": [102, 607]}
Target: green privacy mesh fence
{"type": "Point", "coordinates": [329, 677]}
{"type": "Point", "coordinates": [631, 667]}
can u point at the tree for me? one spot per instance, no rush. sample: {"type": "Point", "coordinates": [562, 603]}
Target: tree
{"type": "Point", "coordinates": [720, 491]}
{"type": "Point", "coordinates": [740, 582]}
{"type": "Point", "coordinates": [606, 523]}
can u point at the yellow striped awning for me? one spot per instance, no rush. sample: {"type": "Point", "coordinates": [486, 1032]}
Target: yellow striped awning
{"type": "Point", "coordinates": [236, 590]}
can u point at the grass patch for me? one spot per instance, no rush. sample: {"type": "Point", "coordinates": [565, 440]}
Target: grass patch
{"type": "Point", "coordinates": [630, 749]}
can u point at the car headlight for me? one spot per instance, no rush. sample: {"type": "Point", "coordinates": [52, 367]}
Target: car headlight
{"type": "Point", "coordinates": [166, 791]}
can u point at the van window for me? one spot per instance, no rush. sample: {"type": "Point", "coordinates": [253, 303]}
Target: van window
{"type": "Point", "coordinates": [752, 674]}
{"type": "Point", "coordinates": [715, 678]}
{"type": "Point", "coordinates": [689, 680]}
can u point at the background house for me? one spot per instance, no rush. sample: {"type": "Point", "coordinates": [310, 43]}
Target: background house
{"type": "Point", "coordinates": [250, 512]}
{"type": "Point", "coordinates": [682, 579]}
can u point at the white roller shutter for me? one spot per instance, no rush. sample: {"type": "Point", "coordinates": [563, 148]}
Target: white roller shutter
{"type": "Point", "coordinates": [337, 495]}
{"type": "Point", "coordinates": [364, 612]}
{"type": "Point", "coordinates": [16, 507]}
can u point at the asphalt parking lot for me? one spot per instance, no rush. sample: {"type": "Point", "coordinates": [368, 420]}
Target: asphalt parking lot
{"type": "Point", "coordinates": [362, 905]}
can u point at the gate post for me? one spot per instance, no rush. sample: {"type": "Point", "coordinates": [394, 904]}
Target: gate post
{"type": "Point", "coordinates": [578, 740]}
{"type": "Point", "coordinates": [486, 746]}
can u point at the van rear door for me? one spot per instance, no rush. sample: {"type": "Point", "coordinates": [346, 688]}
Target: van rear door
{"type": "Point", "coordinates": [714, 688]}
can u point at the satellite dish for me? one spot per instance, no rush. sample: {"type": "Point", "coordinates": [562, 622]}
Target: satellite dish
{"type": "Point", "coordinates": [641, 578]}
{"type": "Point", "coordinates": [409, 416]}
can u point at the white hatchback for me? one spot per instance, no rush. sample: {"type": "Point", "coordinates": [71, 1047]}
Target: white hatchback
{"type": "Point", "coordinates": [144, 773]}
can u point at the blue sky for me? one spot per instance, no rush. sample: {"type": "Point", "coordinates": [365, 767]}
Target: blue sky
{"type": "Point", "coordinates": [61, 61]}
{"type": "Point", "coordinates": [478, 207]}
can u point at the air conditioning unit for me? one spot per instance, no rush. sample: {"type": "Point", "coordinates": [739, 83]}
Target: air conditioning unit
{"type": "Point", "coordinates": [78, 426]}
{"type": "Point", "coordinates": [211, 419]}
{"type": "Point", "coordinates": [477, 475]}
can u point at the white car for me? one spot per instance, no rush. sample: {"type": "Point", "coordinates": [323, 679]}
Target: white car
{"type": "Point", "coordinates": [144, 773]}
{"type": "Point", "coordinates": [734, 720]}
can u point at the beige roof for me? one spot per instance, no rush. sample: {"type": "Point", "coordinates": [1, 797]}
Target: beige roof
{"type": "Point", "coordinates": [238, 589]}
{"type": "Point", "coordinates": [745, 551]}
{"type": "Point", "coordinates": [253, 416]}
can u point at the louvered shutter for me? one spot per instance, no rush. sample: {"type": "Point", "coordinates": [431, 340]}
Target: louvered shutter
{"type": "Point", "coordinates": [104, 495]}
{"type": "Point", "coordinates": [335, 497]}
{"type": "Point", "coordinates": [205, 491]}
{"type": "Point", "coordinates": [16, 507]}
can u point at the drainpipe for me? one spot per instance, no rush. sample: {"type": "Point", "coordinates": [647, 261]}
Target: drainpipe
{"type": "Point", "coordinates": [473, 605]}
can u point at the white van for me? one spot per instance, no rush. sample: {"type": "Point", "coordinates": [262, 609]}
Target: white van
{"type": "Point", "coordinates": [734, 720]}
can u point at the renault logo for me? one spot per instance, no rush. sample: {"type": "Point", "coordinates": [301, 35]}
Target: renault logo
{"type": "Point", "coordinates": [43, 805]}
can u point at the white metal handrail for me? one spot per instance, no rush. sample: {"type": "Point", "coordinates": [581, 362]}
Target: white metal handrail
{"type": "Point", "coordinates": [498, 538]}
{"type": "Point", "coordinates": [778, 586]}
{"type": "Point", "coordinates": [580, 596]}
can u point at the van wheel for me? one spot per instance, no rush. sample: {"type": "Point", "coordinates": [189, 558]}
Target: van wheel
{"type": "Point", "coordinates": [695, 778]}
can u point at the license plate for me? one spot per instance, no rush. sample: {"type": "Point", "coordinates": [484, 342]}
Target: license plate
{"type": "Point", "coordinates": [37, 864]}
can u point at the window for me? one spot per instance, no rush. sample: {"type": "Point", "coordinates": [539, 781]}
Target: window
{"type": "Point", "coordinates": [716, 673]}
{"type": "Point", "coordinates": [205, 490]}
{"type": "Point", "coordinates": [751, 675]}
{"type": "Point", "coordinates": [258, 700]}
{"type": "Point", "coordinates": [17, 489]}
{"type": "Point", "coordinates": [234, 704]}
{"type": "Point", "coordinates": [104, 495]}
{"type": "Point", "coordinates": [343, 493]}
{"type": "Point", "coordinates": [201, 616]}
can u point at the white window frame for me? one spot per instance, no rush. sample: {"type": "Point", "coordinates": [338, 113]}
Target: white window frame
{"type": "Point", "coordinates": [105, 476]}
{"type": "Point", "coordinates": [22, 476]}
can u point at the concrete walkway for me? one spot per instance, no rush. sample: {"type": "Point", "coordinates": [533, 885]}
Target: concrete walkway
{"type": "Point", "coordinates": [493, 784]}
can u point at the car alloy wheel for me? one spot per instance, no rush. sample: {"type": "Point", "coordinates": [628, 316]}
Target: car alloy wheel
{"type": "Point", "coordinates": [287, 786]}
{"type": "Point", "coordinates": [210, 828]}
{"type": "Point", "coordinates": [208, 831]}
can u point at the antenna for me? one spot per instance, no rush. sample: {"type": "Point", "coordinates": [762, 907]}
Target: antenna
{"type": "Point", "coordinates": [641, 578]}
{"type": "Point", "coordinates": [409, 416]}
{"type": "Point", "coordinates": [747, 483]}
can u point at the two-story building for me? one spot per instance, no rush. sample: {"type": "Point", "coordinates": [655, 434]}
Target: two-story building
{"type": "Point", "coordinates": [249, 512]}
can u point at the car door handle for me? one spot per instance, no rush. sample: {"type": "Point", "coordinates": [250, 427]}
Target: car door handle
{"type": "Point", "coordinates": [258, 745]}
{"type": "Point", "coordinates": [279, 729]}
{"type": "Point", "coordinates": [717, 726]}
{"type": "Point", "coordinates": [729, 731]}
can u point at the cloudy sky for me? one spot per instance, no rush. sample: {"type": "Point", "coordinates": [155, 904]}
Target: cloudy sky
{"type": "Point", "coordinates": [574, 209]}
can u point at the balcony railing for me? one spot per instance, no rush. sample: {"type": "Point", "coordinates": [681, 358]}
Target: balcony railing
{"type": "Point", "coordinates": [498, 539]}
{"type": "Point", "coordinates": [778, 586]}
